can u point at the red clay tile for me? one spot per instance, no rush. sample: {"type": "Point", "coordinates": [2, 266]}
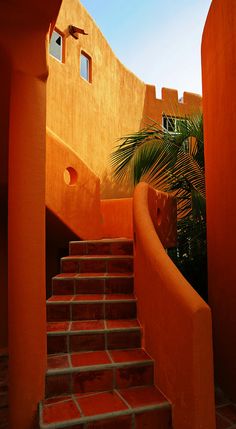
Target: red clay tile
{"type": "Point", "coordinates": [88, 311]}
{"type": "Point", "coordinates": [56, 298]}
{"type": "Point", "coordinates": [58, 312]}
{"type": "Point", "coordinates": [92, 266]}
{"type": "Point", "coordinates": [89, 297]}
{"type": "Point", "coordinates": [160, 419]}
{"type": "Point", "coordinates": [120, 310]}
{"type": "Point", "coordinates": [98, 248]}
{"type": "Point", "coordinates": [119, 285]}
{"type": "Point", "coordinates": [57, 326]}
{"type": "Point", "coordinates": [121, 324]}
{"type": "Point", "coordinates": [92, 381]}
{"type": "Point", "coordinates": [120, 266]}
{"type": "Point", "coordinates": [89, 286]}
{"type": "Point", "coordinates": [228, 411]}
{"type": "Point", "coordinates": [101, 403]}
{"type": "Point", "coordinates": [56, 344]}
{"type": "Point", "coordinates": [221, 422]}
{"type": "Point", "coordinates": [90, 358]}
{"type": "Point", "coordinates": [122, 248]}
{"type": "Point", "coordinates": [116, 296]}
{"type": "Point", "coordinates": [87, 325]}
{"type": "Point", "coordinates": [87, 342]}
{"type": "Point", "coordinates": [123, 339]}
{"type": "Point", "coordinates": [63, 286]}
{"type": "Point", "coordinates": [57, 384]}
{"type": "Point", "coordinates": [78, 248]}
{"type": "Point", "coordinates": [133, 355]}
{"type": "Point", "coordinates": [59, 361]}
{"type": "Point", "coordinates": [141, 396]}
{"type": "Point", "coordinates": [139, 375]}
{"type": "Point", "coordinates": [69, 266]}
{"type": "Point", "coordinates": [60, 412]}
{"type": "Point", "coordinates": [124, 422]}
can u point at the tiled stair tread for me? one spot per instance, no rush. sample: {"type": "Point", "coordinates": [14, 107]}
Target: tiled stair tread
{"type": "Point", "coordinates": [92, 325]}
{"type": "Point", "coordinates": [100, 359]}
{"type": "Point", "coordinates": [83, 298]}
{"type": "Point", "coordinates": [63, 276]}
{"type": "Point", "coordinates": [104, 240]}
{"type": "Point", "coordinates": [82, 408]}
{"type": "Point", "coordinates": [96, 257]}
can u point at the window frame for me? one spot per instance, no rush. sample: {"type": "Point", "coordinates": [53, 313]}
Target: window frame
{"type": "Point", "coordinates": [62, 35]}
{"type": "Point", "coordinates": [172, 118]}
{"type": "Point", "coordinates": [89, 58]}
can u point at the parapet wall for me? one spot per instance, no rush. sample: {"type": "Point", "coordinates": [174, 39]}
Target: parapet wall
{"type": "Point", "coordinates": [169, 104]}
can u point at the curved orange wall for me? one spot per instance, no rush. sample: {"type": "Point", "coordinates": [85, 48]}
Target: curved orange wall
{"type": "Point", "coordinates": [176, 321]}
{"type": "Point", "coordinates": [75, 201]}
{"type": "Point", "coordinates": [219, 108]}
{"type": "Point", "coordinates": [90, 117]}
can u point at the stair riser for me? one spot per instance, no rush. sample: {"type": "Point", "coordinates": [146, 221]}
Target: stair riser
{"type": "Point", "coordinates": [97, 266]}
{"type": "Point", "coordinates": [148, 419]}
{"type": "Point", "coordinates": [101, 248]}
{"type": "Point", "coordinates": [91, 311]}
{"type": "Point", "coordinates": [99, 380]}
{"type": "Point", "coordinates": [66, 343]}
{"type": "Point", "coordinates": [76, 286]}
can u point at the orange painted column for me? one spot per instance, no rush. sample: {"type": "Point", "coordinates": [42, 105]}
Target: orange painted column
{"type": "Point", "coordinates": [27, 319]}
{"type": "Point", "coordinates": [219, 112]}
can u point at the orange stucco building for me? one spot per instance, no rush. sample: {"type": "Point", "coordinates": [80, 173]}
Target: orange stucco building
{"type": "Point", "coordinates": [55, 147]}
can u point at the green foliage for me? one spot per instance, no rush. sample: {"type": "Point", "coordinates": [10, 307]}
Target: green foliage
{"type": "Point", "coordinates": [173, 162]}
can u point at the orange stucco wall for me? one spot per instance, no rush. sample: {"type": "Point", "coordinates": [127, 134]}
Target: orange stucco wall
{"type": "Point", "coordinates": [72, 190]}
{"type": "Point", "coordinates": [90, 117]}
{"type": "Point", "coordinates": [219, 108]}
{"type": "Point", "coordinates": [117, 217]}
{"type": "Point", "coordinates": [176, 321]}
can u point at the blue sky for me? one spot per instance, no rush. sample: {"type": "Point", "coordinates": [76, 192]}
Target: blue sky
{"type": "Point", "coordinates": [159, 40]}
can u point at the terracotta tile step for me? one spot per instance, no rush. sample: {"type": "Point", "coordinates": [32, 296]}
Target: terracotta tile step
{"type": "Point", "coordinates": [78, 283]}
{"type": "Point", "coordinates": [101, 247]}
{"type": "Point", "coordinates": [97, 264]}
{"type": "Point", "coordinates": [139, 407]}
{"type": "Point", "coordinates": [89, 307]}
{"type": "Point", "coordinates": [97, 371]}
{"type": "Point", "coordinates": [90, 335]}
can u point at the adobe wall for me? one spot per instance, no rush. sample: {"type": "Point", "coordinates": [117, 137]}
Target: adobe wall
{"type": "Point", "coordinates": [219, 109]}
{"type": "Point", "coordinates": [90, 117]}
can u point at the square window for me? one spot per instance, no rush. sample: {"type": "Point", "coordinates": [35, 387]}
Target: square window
{"type": "Point", "coordinates": [56, 46]}
{"type": "Point", "coordinates": [85, 66]}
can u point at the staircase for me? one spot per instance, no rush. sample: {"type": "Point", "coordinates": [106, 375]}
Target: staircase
{"type": "Point", "coordinates": [98, 376]}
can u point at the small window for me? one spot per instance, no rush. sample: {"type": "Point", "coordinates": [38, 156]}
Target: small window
{"type": "Point", "coordinates": [171, 123]}
{"type": "Point", "coordinates": [85, 66]}
{"type": "Point", "coordinates": [56, 46]}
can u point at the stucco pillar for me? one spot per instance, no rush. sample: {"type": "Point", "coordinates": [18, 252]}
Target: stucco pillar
{"type": "Point", "coordinates": [26, 267]}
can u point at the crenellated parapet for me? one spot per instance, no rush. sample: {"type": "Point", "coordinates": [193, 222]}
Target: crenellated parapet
{"type": "Point", "coordinates": [169, 104]}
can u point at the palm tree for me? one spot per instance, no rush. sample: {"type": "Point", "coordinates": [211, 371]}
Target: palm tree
{"type": "Point", "coordinates": [171, 159]}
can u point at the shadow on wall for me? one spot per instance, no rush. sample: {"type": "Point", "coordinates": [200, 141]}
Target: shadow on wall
{"type": "Point", "coordinates": [110, 187]}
